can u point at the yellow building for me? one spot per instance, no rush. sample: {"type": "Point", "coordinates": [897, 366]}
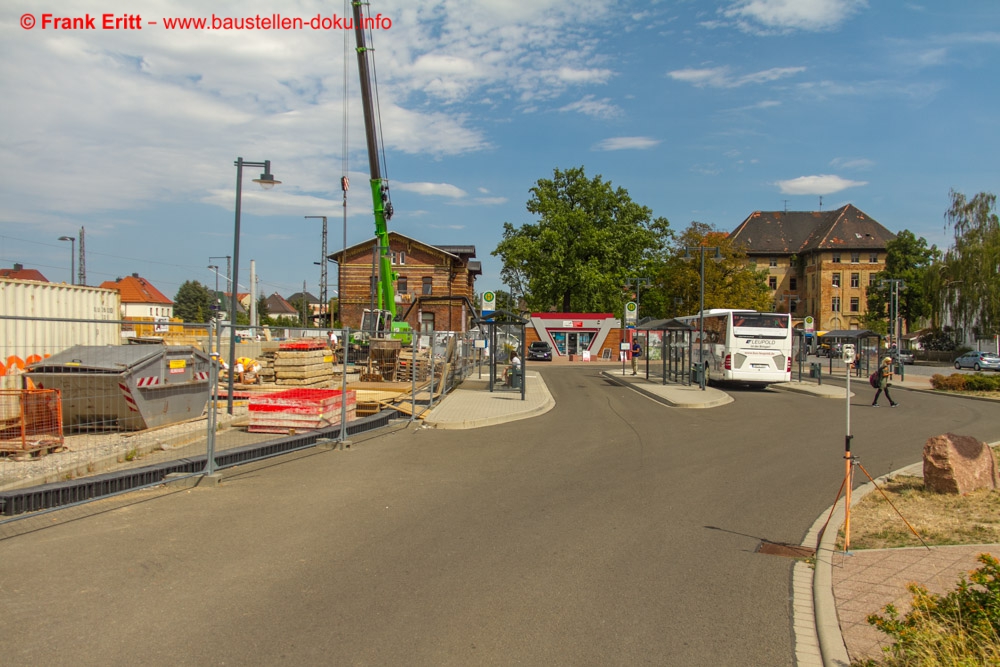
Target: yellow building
{"type": "Point", "coordinates": [818, 263]}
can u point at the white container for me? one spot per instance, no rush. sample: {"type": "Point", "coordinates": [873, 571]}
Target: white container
{"type": "Point", "coordinates": [33, 304]}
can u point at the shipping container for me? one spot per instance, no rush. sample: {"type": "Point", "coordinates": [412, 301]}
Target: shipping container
{"type": "Point", "coordinates": [41, 319]}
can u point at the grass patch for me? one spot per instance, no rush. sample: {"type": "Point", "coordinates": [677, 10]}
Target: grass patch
{"type": "Point", "coordinates": [940, 519]}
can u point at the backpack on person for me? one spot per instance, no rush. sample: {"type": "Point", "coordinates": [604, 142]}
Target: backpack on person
{"type": "Point", "coordinates": [875, 378]}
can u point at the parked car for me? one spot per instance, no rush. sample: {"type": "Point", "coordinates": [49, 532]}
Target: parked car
{"type": "Point", "coordinates": [540, 351]}
{"type": "Point", "coordinates": [905, 357]}
{"type": "Point", "coordinates": [979, 361]}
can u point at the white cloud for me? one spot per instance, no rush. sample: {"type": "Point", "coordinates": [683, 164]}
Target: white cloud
{"type": "Point", "coordinates": [594, 108]}
{"type": "Point", "coordinates": [626, 143]}
{"type": "Point", "coordinates": [788, 15]}
{"type": "Point", "coordinates": [435, 189]}
{"type": "Point", "coordinates": [722, 77]}
{"type": "Point", "coordinates": [817, 185]}
{"type": "Point", "coordinates": [154, 116]}
{"type": "Point", "coordinates": [852, 163]}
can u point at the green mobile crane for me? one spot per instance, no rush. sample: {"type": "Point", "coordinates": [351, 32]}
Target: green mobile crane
{"type": "Point", "coordinates": [380, 321]}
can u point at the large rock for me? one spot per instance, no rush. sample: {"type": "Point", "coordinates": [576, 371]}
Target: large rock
{"type": "Point", "coordinates": [959, 464]}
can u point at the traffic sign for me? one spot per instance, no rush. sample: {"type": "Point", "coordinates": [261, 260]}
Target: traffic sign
{"type": "Point", "coordinates": [489, 303]}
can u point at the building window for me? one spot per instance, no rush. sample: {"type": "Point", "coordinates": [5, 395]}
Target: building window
{"type": "Point", "coordinates": [871, 279]}
{"type": "Point", "coordinates": [401, 285]}
{"type": "Point", "coordinates": [793, 305]}
{"type": "Point", "coordinates": [772, 282]}
{"type": "Point", "coordinates": [835, 305]}
{"type": "Point", "coordinates": [873, 258]}
{"type": "Point", "coordinates": [855, 258]}
{"type": "Point", "coordinates": [855, 304]}
{"type": "Point", "coordinates": [793, 283]}
{"type": "Point", "coordinates": [836, 258]}
{"type": "Point", "coordinates": [773, 261]}
{"type": "Point", "coordinates": [426, 322]}
{"type": "Point", "coordinates": [836, 279]}
{"type": "Point", "coordinates": [399, 257]}
{"type": "Point", "coordinates": [855, 280]}
{"type": "Point", "coordinates": [428, 285]}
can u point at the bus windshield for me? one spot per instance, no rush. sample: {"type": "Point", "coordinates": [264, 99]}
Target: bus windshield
{"type": "Point", "coordinates": [778, 325]}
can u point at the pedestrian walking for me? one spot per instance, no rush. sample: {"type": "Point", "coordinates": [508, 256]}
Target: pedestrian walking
{"type": "Point", "coordinates": [636, 353]}
{"type": "Point", "coordinates": [884, 382]}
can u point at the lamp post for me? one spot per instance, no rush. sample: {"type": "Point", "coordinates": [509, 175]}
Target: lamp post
{"type": "Point", "coordinates": [267, 182]}
{"type": "Point", "coordinates": [229, 271]}
{"type": "Point", "coordinates": [701, 313]}
{"type": "Point", "coordinates": [72, 257]}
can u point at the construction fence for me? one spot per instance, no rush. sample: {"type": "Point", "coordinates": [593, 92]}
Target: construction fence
{"type": "Point", "coordinates": [74, 416]}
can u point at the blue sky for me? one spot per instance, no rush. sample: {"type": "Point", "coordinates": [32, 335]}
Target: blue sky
{"type": "Point", "coordinates": [702, 110]}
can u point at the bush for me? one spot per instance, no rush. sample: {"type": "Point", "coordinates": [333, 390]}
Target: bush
{"type": "Point", "coordinates": [982, 382]}
{"type": "Point", "coordinates": [960, 628]}
{"type": "Point", "coordinates": [953, 382]}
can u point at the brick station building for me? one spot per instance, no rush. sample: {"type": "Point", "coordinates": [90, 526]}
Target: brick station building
{"type": "Point", "coordinates": [434, 291]}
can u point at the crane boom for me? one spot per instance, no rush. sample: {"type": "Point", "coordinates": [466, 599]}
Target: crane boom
{"type": "Point", "coordinates": [384, 291]}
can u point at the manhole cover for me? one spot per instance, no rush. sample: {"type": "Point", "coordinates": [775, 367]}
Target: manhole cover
{"type": "Point", "coordinates": [786, 550]}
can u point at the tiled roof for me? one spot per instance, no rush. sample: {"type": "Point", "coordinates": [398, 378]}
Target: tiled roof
{"type": "Point", "coordinates": [23, 274]}
{"type": "Point", "coordinates": [788, 232]}
{"type": "Point", "coordinates": [277, 306]}
{"type": "Point", "coordinates": [298, 295]}
{"type": "Point", "coordinates": [134, 289]}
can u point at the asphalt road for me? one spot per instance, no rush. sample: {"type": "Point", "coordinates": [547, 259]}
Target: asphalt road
{"type": "Point", "coordinates": [609, 531]}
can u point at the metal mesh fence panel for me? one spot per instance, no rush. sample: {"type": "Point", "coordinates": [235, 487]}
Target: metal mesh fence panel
{"type": "Point", "coordinates": [124, 397]}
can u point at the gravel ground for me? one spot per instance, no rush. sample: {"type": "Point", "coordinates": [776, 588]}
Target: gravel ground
{"type": "Point", "coordinates": [94, 453]}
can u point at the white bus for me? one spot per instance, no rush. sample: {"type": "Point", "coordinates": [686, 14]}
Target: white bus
{"type": "Point", "coordinates": [744, 345]}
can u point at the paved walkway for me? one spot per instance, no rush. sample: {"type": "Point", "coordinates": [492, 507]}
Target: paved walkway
{"type": "Point", "coordinates": [832, 599]}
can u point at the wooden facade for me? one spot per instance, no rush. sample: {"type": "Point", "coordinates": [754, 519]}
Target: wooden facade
{"type": "Point", "coordinates": [435, 285]}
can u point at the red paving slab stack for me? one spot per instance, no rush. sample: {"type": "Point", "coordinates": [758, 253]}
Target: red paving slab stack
{"type": "Point", "coordinates": [299, 410]}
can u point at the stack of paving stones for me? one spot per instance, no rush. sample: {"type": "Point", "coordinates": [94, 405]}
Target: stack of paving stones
{"type": "Point", "coordinates": [266, 358]}
{"type": "Point", "coordinates": [303, 364]}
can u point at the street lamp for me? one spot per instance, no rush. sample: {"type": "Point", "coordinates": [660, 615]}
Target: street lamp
{"type": "Point", "coordinates": [701, 313]}
{"type": "Point", "coordinates": [72, 257]}
{"type": "Point", "coordinates": [267, 182]}
{"type": "Point", "coordinates": [229, 271]}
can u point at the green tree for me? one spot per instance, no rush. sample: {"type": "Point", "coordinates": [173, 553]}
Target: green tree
{"type": "Point", "coordinates": [263, 315]}
{"type": "Point", "coordinates": [193, 302]}
{"type": "Point", "coordinates": [972, 264]}
{"type": "Point", "coordinates": [908, 258]}
{"type": "Point", "coordinates": [590, 237]}
{"type": "Point", "coordinates": [729, 283]}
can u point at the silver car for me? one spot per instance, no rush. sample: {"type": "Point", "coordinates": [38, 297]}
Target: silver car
{"type": "Point", "coordinates": [905, 357]}
{"type": "Point", "coordinates": [979, 361]}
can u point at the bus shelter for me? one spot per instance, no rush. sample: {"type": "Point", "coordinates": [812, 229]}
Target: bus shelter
{"type": "Point", "coordinates": [498, 326]}
{"type": "Point", "coordinates": [867, 346]}
{"type": "Point", "coordinates": [669, 342]}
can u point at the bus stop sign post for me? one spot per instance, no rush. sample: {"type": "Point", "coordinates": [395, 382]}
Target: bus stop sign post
{"type": "Point", "coordinates": [847, 353]}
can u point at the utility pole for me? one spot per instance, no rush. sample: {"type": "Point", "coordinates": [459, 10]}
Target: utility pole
{"type": "Point", "coordinates": [323, 300]}
{"type": "Point", "coordinates": [82, 264]}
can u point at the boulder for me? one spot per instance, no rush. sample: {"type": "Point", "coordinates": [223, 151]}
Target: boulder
{"type": "Point", "coordinates": [959, 464]}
